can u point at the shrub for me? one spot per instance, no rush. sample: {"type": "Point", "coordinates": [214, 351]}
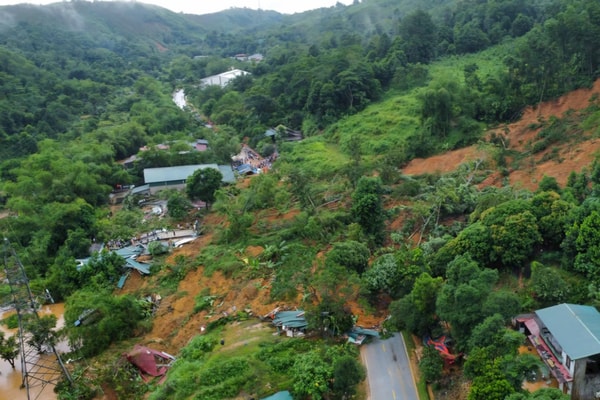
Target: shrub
{"type": "Point", "coordinates": [11, 322]}
{"type": "Point", "coordinates": [351, 254]}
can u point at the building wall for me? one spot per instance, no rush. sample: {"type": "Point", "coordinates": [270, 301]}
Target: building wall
{"type": "Point", "coordinates": [157, 187]}
{"type": "Point", "coordinates": [578, 384]}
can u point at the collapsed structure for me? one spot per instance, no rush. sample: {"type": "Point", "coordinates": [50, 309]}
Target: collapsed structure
{"type": "Point", "coordinates": [150, 363]}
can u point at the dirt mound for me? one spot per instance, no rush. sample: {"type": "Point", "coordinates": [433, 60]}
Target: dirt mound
{"type": "Point", "coordinates": [521, 135]}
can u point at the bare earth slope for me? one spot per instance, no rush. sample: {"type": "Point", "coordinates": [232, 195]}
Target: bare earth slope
{"type": "Point", "coordinates": [573, 157]}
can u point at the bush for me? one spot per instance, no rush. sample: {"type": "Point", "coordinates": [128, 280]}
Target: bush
{"type": "Point", "coordinates": [203, 302]}
{"type": "Point", "coordinates": [157, 248]}
{"type": "Point", "coordinates": [11, 322]}
{"type": "Point", "coordinates": [198, 347]}
{"type": "Point", "coordinates": [351, 254]}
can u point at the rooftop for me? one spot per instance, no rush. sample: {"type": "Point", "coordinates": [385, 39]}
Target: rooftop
{"type": "Point", "coordinates": [575, 327]}
{"type": "Point", "coordinates": [285, 395]}
{"type": "Point", "coordinates": [182, 172]}
{"type": "Point", "coordinates": [290, 319]}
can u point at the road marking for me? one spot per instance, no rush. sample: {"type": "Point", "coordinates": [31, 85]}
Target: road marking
{"type": "Point", "coordinates": [394, 394]}
{"type": "Point", "coordinates": [383, 347]}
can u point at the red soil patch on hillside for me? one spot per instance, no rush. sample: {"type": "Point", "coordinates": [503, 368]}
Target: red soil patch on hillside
{"type": "Point", "coordinates": [573, 156]}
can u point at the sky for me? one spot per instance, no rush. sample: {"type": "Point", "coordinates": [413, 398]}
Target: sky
{"type": "Point", "coordinates": [211, 6]}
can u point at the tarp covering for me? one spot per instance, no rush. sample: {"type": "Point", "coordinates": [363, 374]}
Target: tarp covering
{"type": "Point", "coordinates": [533, 327]}
{"type": "Point", "coordinates": [150, 362]}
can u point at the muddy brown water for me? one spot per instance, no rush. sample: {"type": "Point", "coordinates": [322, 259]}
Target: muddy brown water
{"type": "Point", "coordinates": [11, 379]}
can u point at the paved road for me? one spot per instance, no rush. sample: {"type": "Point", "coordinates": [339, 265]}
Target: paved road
{"type": "Point", "coordinates": [388, 370]}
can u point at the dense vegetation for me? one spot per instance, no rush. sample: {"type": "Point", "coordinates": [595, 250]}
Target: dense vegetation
{"type": "Point", "coordinates": [371, 86]}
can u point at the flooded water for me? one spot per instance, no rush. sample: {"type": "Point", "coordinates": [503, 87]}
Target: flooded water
{"type": "Point", "coordinates": [11, 379]}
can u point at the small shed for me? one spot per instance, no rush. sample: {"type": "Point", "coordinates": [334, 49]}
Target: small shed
{"type": "Point", "coordinates": [200, 145]}
{"type": "Point", "coordinates": [359, 335]}
{"type": "Point", "coordinates": [293, 323]}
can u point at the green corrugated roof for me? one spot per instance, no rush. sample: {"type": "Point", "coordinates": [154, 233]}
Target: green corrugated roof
{"type": "Point", "coordinates": [575, 327]}
{"type": "Point", "coordinates": [182, 172]}
{"type": "Point", "coordinates": [285, 395]}
{"type": "Point", "coordinates": [290, 319]}
{"type": "Point", "coordinates": [143, 268]}
{"type": "Point", "coordinates": [227, 171]}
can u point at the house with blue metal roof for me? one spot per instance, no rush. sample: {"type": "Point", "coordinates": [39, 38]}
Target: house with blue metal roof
{"type": "Point", "coordinates": [567, 337]}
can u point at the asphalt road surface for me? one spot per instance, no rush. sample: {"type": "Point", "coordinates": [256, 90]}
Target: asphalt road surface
{"type": "Point", "coordinates": [388, 370]}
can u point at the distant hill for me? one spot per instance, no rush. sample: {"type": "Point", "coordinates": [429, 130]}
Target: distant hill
{"type": "Point", "coordinates": [110, 25]}
{"type": "Point", "coordinates": [238, 19]}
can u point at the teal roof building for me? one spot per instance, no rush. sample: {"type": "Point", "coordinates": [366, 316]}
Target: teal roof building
{"type": "Point", "coordinates": [575, 327]}
{"type": "Point", "coordinates": [176, 177]}
{"type": "Point", "coordinates": [285, 395]}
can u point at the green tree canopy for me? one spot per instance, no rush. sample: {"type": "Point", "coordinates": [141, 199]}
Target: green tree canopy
{"type": "Point", "coordinates": [367, 208]}
{"type": "Point", "coordinates": [108, 319]}
{"type": "Point", "coordinates": [351, 254]}
{"type": "Point", "coordinates": [311, 376]}
{"type": "Point", "coordinates": [41, 330]}
{"type": "Point", "coordinates": [203, 184]}
{"type": "Point", "coordinates": [461, 299]}
{"type": "Point", "coordinates": [419, 35]}
{"type": "Point", "coordinates": [9, 348]}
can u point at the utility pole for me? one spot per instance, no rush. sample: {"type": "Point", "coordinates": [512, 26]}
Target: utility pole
{"type": "Point", "coordinates": [37, 369]}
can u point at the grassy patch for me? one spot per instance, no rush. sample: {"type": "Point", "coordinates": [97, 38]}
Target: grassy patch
{"type": "Point", "coordinates": [489, 63]}
{"type": "Point", "coordinates": [11, 322]}
{"type": "Point", "coordinates": [220, 258]}
{"type": "Point", "coordinates": [241, 357]}
{"type": "Point", "coordinates": [382, 127]}
{"type": "Point", "coordinates": [204, 301]}
{"type": "Point", "coordinates": [318, 158]}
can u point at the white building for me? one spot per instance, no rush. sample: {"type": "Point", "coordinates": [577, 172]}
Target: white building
{"type": "Point", "coordinates": [223, 78]}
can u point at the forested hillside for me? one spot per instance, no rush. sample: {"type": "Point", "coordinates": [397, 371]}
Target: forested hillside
{"type": "Point", "coordinates": [342, 223]}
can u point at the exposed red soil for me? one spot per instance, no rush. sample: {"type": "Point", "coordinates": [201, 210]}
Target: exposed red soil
{"type": "Point", "coordinates": [571, 157]}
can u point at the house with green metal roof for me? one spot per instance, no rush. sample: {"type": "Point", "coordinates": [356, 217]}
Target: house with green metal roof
{"type": "Point", "coordinates": [175, 177]}
{"type": "Point", "coordinates": [293, 323]}
{"type": "Point", "coordinates": [567, 337]}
